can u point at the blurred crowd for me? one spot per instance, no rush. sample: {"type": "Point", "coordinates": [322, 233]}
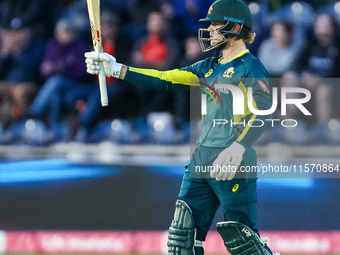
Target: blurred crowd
{"type": "Point", "coordinates": [47, 96]}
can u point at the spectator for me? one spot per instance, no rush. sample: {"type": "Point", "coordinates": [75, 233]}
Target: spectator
{"type": "Point", "coordinates": [35, 14]}
{"type": "Point", "coordinates": [20, 56]}
{"type": "Point", "coordinates": [63, 71]}
{"type": "Point", "coordinates": [279, 53]}
{"type": "Point", "coordinates": [320, 59]}
{"type": "Point", "coordinates": [160, 50]}
{"type": "Point", "coordinates": [139, 10]}
{"type": "Point", "coordinates": [190, 11]}
{"type": "Point", "coordinates": [77, 14]}
{"type": "Point", "coordinates": [113, 38]}
{"type": "Point", "coordinates": [137, 15]}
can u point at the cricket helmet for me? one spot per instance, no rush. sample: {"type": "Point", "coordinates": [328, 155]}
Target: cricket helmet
{"type": "Point", "coordinates": [226, 12]}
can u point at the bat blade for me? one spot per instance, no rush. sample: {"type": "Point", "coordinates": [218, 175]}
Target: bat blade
{"type": "Point", "coordinates": [93, 7]}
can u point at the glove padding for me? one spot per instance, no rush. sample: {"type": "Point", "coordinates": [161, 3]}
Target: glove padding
{"type": "Point", "coordinates": [227, 162]}
{"type": "Point", "coordinates": [111, 67]}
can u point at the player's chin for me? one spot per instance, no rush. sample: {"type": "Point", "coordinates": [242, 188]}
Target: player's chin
{"type": "Point", "coordinates": [214, 42]}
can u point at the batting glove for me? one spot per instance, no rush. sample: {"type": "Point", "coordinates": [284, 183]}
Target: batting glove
{"type": "Point", "coordinates": [227, 162]}
{"type": "Point", "coordinates": [111, 67]}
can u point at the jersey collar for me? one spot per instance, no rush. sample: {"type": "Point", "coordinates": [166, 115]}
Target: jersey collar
{"type": "Point", "coordinates": [237, 56]}
{"type": "Point", "coordinates": [240, 54]}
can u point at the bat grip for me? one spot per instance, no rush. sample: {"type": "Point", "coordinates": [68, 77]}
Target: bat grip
{"type": "Point", "coordinates": [102, 85]}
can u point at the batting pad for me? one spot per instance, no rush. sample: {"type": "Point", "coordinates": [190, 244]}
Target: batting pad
{"type": "Point", "coordinates": [240, 239]}
{"type": "Point", "coordinates": [181, 238]}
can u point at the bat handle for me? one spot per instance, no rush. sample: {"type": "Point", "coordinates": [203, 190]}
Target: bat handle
{"type": "Point", "coordinates": [102, 85]}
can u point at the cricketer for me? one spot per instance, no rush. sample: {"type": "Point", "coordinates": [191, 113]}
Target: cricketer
{"type": "Point", "coordinates": [222, 146]}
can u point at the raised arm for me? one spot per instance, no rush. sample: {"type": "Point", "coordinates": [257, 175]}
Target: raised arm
{"type": "Point", "coordinates": [147, 78]}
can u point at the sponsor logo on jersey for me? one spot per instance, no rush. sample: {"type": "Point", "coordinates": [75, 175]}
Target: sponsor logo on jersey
{"type": "Point", "coordinates": [210, 9]}
{"type": "Point", "coordinates": [229, 72]}
{"type": "Point", "coordinates": [263, 86]}
{"type": "Point", "coordinates": [209, 73]}
{"type": "Point", "coordinates": [235, 188]}
{"type": "Point", "coordinates": [223, 90]}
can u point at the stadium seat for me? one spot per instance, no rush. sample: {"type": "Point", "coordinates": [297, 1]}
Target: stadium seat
{"type": "Point", "coordinates": [325, 133]}
{"type": "Point", "coordinates": [142, 130]}
{"type": "Point", "coordinates": [161, 128]}
{"type": "Point", "coordinates": [296, 135]}
{"type": "Point", "coordinates": [34, 132]}
{"type": "Point", "coordinates": [264, 138]}
{"type": "Point", "coordinates": [117, 130]}
{"type": "Point", "coordinates": [333, 132]}
{"type": "Point", "coordinates": [184, 133]}
{"type": "Point", "coordinates": [194, 130]}
{"type": "Point", "coordinates": [275, 133]}
{"type": "Point", "coordinates": [60, 132]}
{"type": "Point", "coordinates": [189, 132]}
{"type": "Point", "coordinates": [13, 134]}
{"type": "Point", "coordinates": [317, 134]}
{"type": "Point", "coordinates": [27, 132]}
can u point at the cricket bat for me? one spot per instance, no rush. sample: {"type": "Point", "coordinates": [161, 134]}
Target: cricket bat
{"type": "Point", "coordinates": [93, 6]}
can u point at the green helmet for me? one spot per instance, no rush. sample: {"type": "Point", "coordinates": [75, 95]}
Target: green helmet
{"type": "Point", "coordinates": [227, 12]}
{"type": "Point", "coordinates": [236, 11]}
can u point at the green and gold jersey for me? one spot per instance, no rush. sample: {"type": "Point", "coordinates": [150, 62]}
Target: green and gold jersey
{"type": "Point", "coordinates": [243, 71]}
